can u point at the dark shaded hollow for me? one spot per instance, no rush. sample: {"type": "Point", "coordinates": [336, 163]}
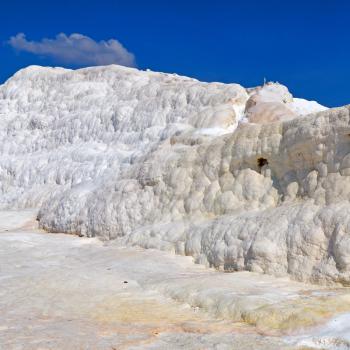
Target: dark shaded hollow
{"type": "Point", "coordinates": [262, 162]}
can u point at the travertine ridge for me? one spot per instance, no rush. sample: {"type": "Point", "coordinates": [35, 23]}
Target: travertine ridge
{"type": "Point", "coordinates": [241, 179]}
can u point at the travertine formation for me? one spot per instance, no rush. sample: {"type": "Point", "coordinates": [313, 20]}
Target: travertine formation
{"type": "Point", "coordinates": [65, 292]}
{"type": "Point", "coordinates": [240, 179]}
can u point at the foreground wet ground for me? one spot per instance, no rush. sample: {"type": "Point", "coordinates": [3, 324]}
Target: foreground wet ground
{"type": "Point", "coordinates": [65, 292]}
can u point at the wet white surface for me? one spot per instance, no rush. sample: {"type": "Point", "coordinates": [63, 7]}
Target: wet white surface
{"type": "Point", "coordinates": [65, 292]}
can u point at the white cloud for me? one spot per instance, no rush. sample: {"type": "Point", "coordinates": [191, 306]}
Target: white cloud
{"type": "Point", "coordinates": [76, 49]}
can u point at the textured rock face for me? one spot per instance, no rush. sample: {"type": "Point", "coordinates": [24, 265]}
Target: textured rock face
{"type": "Point", "coordinates": [60, 128]}
{"type": "Point", "coordinates": [273, 102]}
{"type": "Point", "coordinates": [288, 216]}
{"type": "Point", "coordinates": [163, 161]}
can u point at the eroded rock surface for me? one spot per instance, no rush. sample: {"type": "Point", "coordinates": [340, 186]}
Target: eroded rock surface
{"type": "Point", "coordinates": [241, 179]}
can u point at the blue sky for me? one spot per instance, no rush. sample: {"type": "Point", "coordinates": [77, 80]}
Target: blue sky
{"type": "Point", "coordinates": [302, 44]}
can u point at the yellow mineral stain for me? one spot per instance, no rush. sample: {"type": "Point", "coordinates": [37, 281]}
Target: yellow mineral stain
{"type": "Point", "coordinates": [158, 316]}
{"type": "Point", "coordinates": [297, 314]}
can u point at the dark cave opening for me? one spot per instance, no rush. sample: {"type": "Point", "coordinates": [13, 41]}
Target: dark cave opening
{"type": "Point", "coordinates": [262, 162]}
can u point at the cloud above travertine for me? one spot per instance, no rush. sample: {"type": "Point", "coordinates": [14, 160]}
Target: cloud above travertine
{"type": "Point", "coordinates": [76, 49]}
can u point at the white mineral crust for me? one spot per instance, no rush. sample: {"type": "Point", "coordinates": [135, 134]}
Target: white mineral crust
{"type": "Point", "coordinates": [240, 179]}
{"type": "Point", "coordinates": [66, 292]}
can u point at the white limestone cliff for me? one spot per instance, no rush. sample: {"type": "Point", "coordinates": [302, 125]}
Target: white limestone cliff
{"type": "Point", "coordinates": [241, 179]}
